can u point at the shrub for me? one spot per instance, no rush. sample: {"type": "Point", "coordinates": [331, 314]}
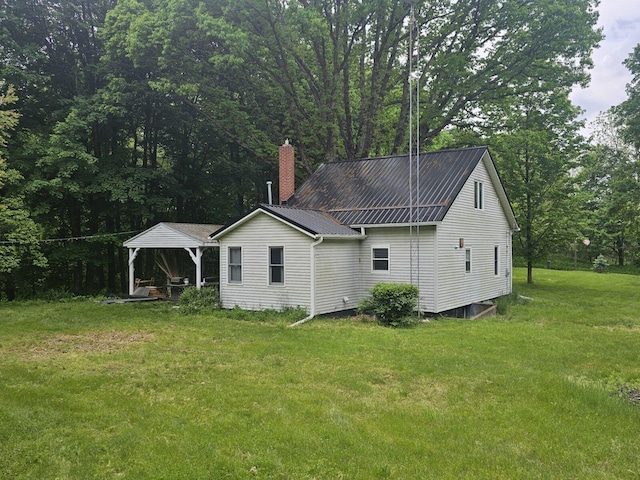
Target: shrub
{"type": "Point", "coordinates": [600, 264]}
{"type": "Point", "coordinates": [391, 303]}
{"type": "Point", "coordinates": [192, 300]}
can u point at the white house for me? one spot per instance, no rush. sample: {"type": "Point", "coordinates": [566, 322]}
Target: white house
{"type": "Point", "coordinates": [355, 223]}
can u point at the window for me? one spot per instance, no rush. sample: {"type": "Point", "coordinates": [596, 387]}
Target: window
{"type": "Point", "coordinates": [235, 264]}
{"type": "Point", "coordinates": [380, 259]}
{"type": "Point", "coordinates": [478, 196]}
{"type": "Point", "coordinates": [276, 265]}
{"type": "Point", "coordinates": [467, 260]}
{"type": "Point", "coordinates": [496, 259]}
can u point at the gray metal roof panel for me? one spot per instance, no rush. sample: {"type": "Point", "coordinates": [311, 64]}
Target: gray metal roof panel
{"type": "Point", "coordinates": [312, 221]}
{"type": "Point", "coordinates": [376, 191]}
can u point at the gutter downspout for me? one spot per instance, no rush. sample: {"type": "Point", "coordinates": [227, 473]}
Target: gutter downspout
{"type": "Point", "coordinates": [312, 254]}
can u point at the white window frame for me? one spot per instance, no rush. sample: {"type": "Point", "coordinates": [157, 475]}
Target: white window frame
{"type": "Point", "coordinates": [270, 266]}
{"type": "Point", "coordinates": [230, 265]}
{"type": "Point", "coordinates": [478, 195]}
{"type": "Point", "coordinates": [374, 259]}
{"type": "Point", "coordinates": [468, 260]}
{"type": "Point", "coordinates": [496, 260]}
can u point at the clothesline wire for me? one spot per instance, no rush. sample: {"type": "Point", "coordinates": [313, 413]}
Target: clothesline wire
{"type": "Point", "coordinates": [69, 239]}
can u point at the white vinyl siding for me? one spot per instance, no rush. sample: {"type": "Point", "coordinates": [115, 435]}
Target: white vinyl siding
{"type": "Point", "coordinates": [255, 293]}
{"type": "Point", "coordinates": [400, 265]}
{"type": "Point", "coordinates": [481, 231]}
{"type": "Point", "coordinates": [338, 275]}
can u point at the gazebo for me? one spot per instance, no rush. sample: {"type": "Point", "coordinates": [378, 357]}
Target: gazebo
{"type": "Point", "coordinates": [194, 238]}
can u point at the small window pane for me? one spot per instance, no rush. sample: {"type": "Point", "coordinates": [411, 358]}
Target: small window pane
{"type": "Point", "coordinates": [276, 255]}
{"type": "Point", "coordinates": [235, 255]}
{"type": "Point", "coordinates": [381, 265]}
{"type": "Point", "coordinates": [467, 260]}
{"type": "Point", "coordinates": [380, 259]}
{"type": "Point", "coordinates": [277, 275]}
{"type": "Point", "coordinates": [478, 197]}
{"type": "Point", "coordinates": [235, 273]}
{"type": "Point", "coordinates": [380, 253]}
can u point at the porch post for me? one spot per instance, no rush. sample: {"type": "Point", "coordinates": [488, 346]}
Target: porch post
{"type": "Point", "coordinates": [133, 253]}
{"type": "Point", "coordinates": [197, 259]}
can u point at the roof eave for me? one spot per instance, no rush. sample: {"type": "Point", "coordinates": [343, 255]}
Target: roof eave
{"type": "Point", "coordinates": [333, 236]}
{"type": "Point", "coordinates": [389, 225]}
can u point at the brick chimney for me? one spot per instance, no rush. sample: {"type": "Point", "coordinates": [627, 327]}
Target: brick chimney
{"type": "Point", "coordinates": [287, 172]}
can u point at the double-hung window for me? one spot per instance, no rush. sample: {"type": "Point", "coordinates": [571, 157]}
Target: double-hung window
{"type": "Point", "coordinates": [276, 265]}
{"type": "Point", "coordinates": [478, 195]}
{"type": "Point", "coordinates": [380, 259]}
{"type": "Point", "coordinates": [235, 264]}
{"type": "Point", "coordinates": [467, 260]}
{"type": "Point", "coordinates": [496, 259]}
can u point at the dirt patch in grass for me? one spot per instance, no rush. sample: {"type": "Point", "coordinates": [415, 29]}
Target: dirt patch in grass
{"type": "Point", "coordinates": [629, 393]}
{"type": "Point", "coordinates": [87, 342]}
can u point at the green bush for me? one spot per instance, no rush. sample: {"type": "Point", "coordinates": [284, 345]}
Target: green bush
{"type": "Point", "coordinates": [600, 264]}
{"type": "Point", "coordinates": [203, 300]}
{"type": "Point", "coordinates": [392, 303]}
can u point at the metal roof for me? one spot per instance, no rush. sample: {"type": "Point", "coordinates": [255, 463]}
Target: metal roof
{"type": "Point", "coordinates": [376, 191]}
{"type": "Point", "coordinates": [312, 221]}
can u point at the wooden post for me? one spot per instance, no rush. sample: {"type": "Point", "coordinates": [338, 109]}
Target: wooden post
{"type": "Point", "coordinates": [133, 253]}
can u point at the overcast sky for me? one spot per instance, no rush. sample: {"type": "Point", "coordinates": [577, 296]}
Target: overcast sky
{"type": "Point", "coordinates": [620, 20]}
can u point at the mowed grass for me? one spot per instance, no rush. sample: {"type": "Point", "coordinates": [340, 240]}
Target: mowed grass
{"type": "Point", "coordinates": [139, 391]}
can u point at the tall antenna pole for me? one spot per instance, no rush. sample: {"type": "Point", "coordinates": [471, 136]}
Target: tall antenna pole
{"type": "Point", "coordinates": [414, 172]}
{"type": "Point", "coordinates": [410, 80]}
{"type": "Point", "coordinates": [417, 79]}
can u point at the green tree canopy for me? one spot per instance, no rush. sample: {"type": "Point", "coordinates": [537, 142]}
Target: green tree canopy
{"type": "Point", "coordinates": [19, 235]}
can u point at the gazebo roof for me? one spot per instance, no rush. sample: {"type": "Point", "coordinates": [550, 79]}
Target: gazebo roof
{"type": "Point", "coordinates": [174, 235]}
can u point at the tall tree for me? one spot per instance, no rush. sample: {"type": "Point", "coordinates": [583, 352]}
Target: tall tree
{"type": "Point", "coordinates": [535, 155]}
{"type": "Point", "coordinates": [343, 71]}
{"type": "Point", "coordinates": [609, 178]}
{"type": "Point", "coordinates": [19, 235]}
{"type": "Point", "coordinates": [628, 112]}
{"type": "Point", "coordinates": [333, 74]}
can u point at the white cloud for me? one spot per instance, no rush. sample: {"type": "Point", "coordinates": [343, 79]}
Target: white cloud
{"type": "Point", "coordinates": [620, 20]}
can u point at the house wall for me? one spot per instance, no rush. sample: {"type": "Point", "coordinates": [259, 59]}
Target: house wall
{"type": "Point", "coordinates": [481, 230]}
{"type": "Point", "coordinates": [254, 293]}
{"type": "Point", "coordinates": [338, 275]}
{"type": "Point", "coordinates": [397, 239]}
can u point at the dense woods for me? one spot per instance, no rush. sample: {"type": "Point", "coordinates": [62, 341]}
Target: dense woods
{"type": "Point", "coordinates": [115, 115]}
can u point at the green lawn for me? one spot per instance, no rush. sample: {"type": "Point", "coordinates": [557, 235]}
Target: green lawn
{"type": "Point", "coordinates": [139, 391]}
